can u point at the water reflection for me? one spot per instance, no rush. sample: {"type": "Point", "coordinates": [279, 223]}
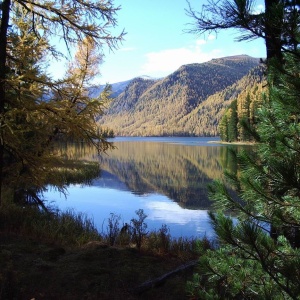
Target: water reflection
{"type": "Point", "coordinates": [99, 203]}
{"type": "Point", "coordinates": [178, 171]}
{"type": "Point", "coordinates": [166, 177]}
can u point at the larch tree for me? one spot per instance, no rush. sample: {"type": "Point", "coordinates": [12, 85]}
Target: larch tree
{"type": "Point", "coordinates": [258, 254]}
{"type": "Point", "coordinates": [36, 109]}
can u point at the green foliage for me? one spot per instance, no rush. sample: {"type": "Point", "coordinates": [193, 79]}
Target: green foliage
{"type": "Point", "coordinates": [250, 265]}
{"type": "Point", "coordinates": [239, 122]}
{"type": "Point", "coordinates": [189, 102]}
{"type": "Point", "coordinates": [266, 235]}
{"type": "Point", "coordinates": [230, 275]}
{"type": "Point", "coordinates": [228, 123]}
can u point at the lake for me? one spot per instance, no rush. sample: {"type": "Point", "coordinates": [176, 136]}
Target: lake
{"type": "Point", "coordinates": [167, 177]}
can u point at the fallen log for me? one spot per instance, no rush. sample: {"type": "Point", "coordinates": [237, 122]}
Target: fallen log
{"type": "Point", "coordinates": [160, 280]}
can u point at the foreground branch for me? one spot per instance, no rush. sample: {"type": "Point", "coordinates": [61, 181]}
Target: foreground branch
{"type": "Point", "coordinates": [161, 280]}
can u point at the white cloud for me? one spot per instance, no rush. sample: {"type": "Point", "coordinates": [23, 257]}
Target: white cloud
{"type": "Point", "coordinates": [201, 42]}
{"type": "Point", "coordinates": [170, 212]}
{"type": "Point", "coordinates": [204, 41]}
{"type": "Point", "coordinates": [211, 37]}
{"type": "Point", "coordinates": [166, 61]}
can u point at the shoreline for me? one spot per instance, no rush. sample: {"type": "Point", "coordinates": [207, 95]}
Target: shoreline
{"type": "Point", "coordinates": [233, 143]}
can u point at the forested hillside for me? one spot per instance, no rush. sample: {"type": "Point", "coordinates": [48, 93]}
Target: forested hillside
{"type": "Point", "coordinates": [239, 122]}
{"type": "Point", "coordinates": [204, 120]}
{"type": "Point", "coordinates": [190, 101]}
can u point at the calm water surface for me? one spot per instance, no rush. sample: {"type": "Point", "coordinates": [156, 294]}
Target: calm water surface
{"type": "Point", "coordinates": [166, 177]}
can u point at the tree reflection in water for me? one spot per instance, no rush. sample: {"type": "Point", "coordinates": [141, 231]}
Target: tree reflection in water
{"type": "Point", "coordinates": [178, 171]}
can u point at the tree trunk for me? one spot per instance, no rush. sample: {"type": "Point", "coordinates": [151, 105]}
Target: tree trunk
{"type": "Point", "coordinates": [273, 30]}
{"type": "Point", "coordinates": [3, 45]}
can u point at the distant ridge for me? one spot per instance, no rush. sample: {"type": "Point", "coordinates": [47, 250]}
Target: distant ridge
{"type": "Point", "coordinates": [189, 101]}
{"type": "Point", "coordinates": [117, 88]}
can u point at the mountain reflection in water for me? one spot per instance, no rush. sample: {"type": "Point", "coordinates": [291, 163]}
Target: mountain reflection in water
{"type": "Point", "coordinates": [180, 172]}
{"type": "Point", "coordinates": [167, 177]}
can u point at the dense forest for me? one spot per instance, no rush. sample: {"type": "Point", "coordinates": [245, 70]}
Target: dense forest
{"type": "Point", "coordinates": [239, 121]}
{"type": "Point", "coordinates": [188, 102]}
{"type": "Point", "coordinates": [205, 118]}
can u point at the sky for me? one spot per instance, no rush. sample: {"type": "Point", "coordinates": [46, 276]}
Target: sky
{"type": "Point", "coordinates": [156, 45]}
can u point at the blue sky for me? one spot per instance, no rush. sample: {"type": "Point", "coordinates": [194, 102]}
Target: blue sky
{"type": "Point", "coordinates": [156, 45]}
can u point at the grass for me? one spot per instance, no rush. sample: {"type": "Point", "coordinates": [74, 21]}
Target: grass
{"type": "Point", "coordinates": [61, 255]}
{"type": "Point", "coordinates": [67, 228]}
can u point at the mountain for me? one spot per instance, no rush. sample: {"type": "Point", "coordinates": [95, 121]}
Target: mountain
{"type": "Point", "coordinates": [189, 101]}
{"type": "Point", "coordinates": [205, 118]}
{"type": "Point", "coordinates": [117, 89]}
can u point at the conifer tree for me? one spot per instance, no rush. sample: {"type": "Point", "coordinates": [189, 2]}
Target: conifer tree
{"type": "Point", "coordinates": [259, 256]}
{"type": "Point", "coordinates": [35, 109]}
{"type": "Point", "coordinates": [223, 127]}
{"type": "Point", "coordinates": [228, 123]}
{"type": "Point", "coordinates": [259, 251]}
{"type": "Point", "coordinates": [232, 122]}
